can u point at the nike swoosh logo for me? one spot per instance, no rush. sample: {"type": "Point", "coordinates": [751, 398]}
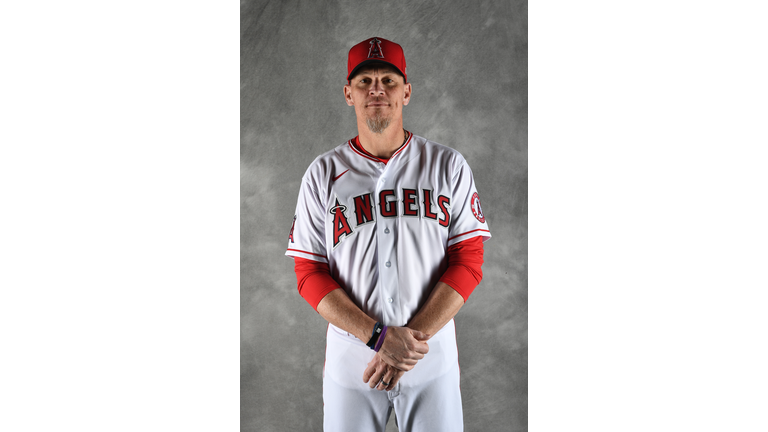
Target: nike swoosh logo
{"type": "Point", "coordinates": [337, 177]}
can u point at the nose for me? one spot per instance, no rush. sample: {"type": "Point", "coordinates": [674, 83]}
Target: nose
{"type": "Point", "coordinates": [376, 88]}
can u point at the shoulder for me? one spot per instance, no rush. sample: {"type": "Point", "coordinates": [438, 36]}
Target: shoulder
{"type": "Point", "coordinates": [434, 150]}
{"type": "Point", "coordinates": [326, 164]}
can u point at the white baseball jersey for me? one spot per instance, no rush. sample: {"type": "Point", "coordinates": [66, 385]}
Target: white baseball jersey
{"type": "Point", "coordinates": [384, 228]}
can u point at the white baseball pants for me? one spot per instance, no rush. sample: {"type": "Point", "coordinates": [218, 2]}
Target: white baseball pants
{"type": "Point", "coordinates": [427, 398]}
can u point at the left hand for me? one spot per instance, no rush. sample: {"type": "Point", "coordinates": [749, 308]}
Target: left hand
{"type": "Point", "coordinates": [379, 372]}
{"type": "Point", "coordinates": [403, 347]}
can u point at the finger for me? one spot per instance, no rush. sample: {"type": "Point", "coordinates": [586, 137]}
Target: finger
{"type": "Point", "coordinates": [375, 378]}
{"type": "Point", "coordinates": [378, 375]}
{"type": "Point", "coordinates": [386, 379]}
{"type": "Point", "coordinates": [404, 364]}
{"type": "Point", "coordinates": [420, 336]}
{"type": "Point", "coordinates": [395, 378]}
{"type": "Point", "coordinates": [369, 371]}
{"type": "Point", "coordinates": [413, 355]}
{"type": "Point", "coordinates": [405, 367]}
{"type": "Point", "coordinates": [418, 352]}
{"type": "Point", "coordinates": [421, 348]}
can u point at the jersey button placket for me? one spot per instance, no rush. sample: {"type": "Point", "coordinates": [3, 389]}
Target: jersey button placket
{"type": "Point", "coordinates": [388, 280]}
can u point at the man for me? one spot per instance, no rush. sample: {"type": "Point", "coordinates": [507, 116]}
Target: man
{"type": "Point", "coordinates": [387, 241]}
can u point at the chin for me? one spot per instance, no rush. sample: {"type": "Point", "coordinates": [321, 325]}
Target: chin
{"type": "Point", "coordinates": [378, 124]}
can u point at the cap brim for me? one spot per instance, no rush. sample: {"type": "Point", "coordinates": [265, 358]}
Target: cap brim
{"type": "Point", "coordinates": [367, 62]}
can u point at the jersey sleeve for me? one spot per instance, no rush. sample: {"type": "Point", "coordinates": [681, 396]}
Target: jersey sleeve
{"type": "Point", "coordinates": [307, 236]}
{"type": "Point", "coordinates": [468, 219]}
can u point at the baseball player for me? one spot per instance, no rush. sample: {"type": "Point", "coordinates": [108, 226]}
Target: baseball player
{"type": "Point", "coordinates": [387, 241]}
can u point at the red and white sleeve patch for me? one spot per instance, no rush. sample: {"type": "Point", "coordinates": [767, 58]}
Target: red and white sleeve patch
{"type": "Point", "coordinates": [476, 209]}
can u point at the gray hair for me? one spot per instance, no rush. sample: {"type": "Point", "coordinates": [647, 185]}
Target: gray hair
{"type": "Point", "coordinates": [377, 124]}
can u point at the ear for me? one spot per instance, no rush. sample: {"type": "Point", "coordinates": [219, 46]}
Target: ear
{"type": "Point", "coordinates": [407, 94]}
{"type": "Point", "coordinates": [348, 95]}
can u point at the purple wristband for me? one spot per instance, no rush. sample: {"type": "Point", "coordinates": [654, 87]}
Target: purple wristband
{"type": "Point", "coordinates": [380, 342]}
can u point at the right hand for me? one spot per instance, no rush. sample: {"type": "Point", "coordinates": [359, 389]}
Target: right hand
{"type": "Point", "coordinates": [403, 347]}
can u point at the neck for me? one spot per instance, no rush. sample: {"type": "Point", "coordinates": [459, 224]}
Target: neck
{"type": "Point", "coordinates": [383, 144]}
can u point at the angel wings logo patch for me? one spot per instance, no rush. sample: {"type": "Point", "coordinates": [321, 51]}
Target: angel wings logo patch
{"type": "Point", "coordinates": [476, 209]}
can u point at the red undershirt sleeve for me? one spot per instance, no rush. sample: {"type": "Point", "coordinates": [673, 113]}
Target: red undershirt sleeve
{"type": "Point", "coordinates": [314, 280]}
{"type": "Point", "coordinates": [465, 260]}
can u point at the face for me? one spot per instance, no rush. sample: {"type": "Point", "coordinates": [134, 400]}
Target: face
{"type": "Point", "coordinates": [378, 93]}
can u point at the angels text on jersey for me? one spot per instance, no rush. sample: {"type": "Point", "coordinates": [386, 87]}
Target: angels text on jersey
{"type": "Point", "coordinates": [389, 203]}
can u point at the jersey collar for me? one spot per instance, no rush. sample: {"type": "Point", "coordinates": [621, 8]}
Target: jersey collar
{"type": "Point", "coordinates": [354, 144]}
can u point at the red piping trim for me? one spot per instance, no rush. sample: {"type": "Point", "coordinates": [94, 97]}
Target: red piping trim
{"type": "Point", "coordinates": [326, 352]}
{"type": "Point", "coordinates": [361, 154]}
{"type": "Point", "coordinates": [457, 352]}
{"type": "Point", "coordinates": [298, 250]}
{"type": "Point", "coordinates": [459, 235]}
{"type": "Point", "coordinates": [404, 145]}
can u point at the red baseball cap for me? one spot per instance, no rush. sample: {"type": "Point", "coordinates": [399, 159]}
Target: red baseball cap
{"type": "Point", "coordinates": [375, 49]}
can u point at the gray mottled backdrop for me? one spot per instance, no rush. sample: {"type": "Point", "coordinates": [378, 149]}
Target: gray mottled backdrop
{"type": "Point", "coordinates": [468, 65]}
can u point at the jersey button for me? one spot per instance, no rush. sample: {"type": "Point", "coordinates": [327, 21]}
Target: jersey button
{"type": "Point", "coordinates": [386, 230]}
{"type": "Point", "coordinates": [390, 300]}
{"type": "Point", "coordinates": [387, 264]}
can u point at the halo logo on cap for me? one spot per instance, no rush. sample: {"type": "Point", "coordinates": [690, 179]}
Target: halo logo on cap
{"type": "Point", "coordinates": [375, 51]}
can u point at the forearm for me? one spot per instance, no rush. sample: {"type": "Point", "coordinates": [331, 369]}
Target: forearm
{"type": "Point", "coordinates": [441, 306]}
{"type": "Point", "coordinates": [338, 309]}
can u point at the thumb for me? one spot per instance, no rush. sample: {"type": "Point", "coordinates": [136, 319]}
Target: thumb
{"type": "Point", "coordinates": [420, 336]}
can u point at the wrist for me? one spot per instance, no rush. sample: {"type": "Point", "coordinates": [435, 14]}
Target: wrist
{"type": "Point", "coordinates": [380, 342]}
{"type": "Point", "coordinates": [377, 329]}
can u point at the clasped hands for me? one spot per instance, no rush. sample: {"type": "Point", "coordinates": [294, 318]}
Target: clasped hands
{"type": "Point", "coordinates": [401, 350]}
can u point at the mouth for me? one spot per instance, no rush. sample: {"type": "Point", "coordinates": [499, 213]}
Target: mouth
{"type": "Point", "coordinates": [377, 104]}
